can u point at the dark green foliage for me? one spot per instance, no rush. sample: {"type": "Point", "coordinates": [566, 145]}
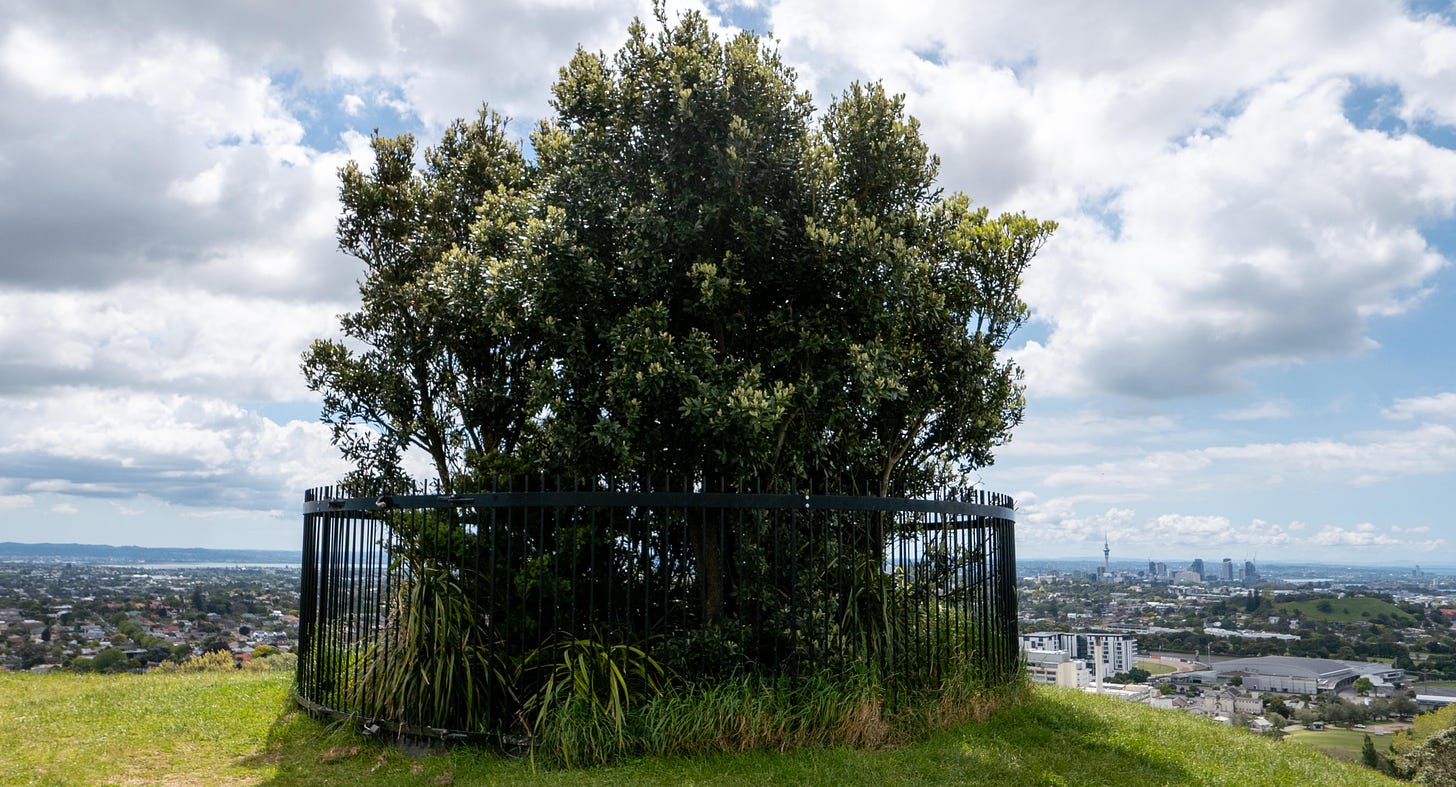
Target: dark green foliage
{"type": "Point", "coordinates": [445, 368]}
{"type": "Point", "coordinates": [691, 278]}
{"type": "Point", "coordinates": [1368, 756]}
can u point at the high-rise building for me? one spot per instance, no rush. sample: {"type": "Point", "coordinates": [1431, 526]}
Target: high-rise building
{"type": "Point", "coordinates": [1118, 652]}
{"type": "Point", "coordinates": [1250, 573]}
{"type": "Point", "coordinates": [1228, 569]}
{"type": "Point", "coordinates": [1197, 567]}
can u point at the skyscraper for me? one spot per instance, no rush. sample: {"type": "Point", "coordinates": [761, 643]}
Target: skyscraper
{"type": "Point", "coordinates": [1197, 567]}
{"type": "Point", "coordinates": [1250, 574]}
{"type": "Point", "coordinates": [1228, 569]}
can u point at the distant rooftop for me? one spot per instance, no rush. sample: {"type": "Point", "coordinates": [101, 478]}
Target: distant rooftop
{"type": "Point", "coordinates": [1328, 672]}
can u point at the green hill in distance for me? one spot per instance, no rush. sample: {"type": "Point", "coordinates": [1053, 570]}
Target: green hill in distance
{"type": "Point", "coordinates": [1346, 610]}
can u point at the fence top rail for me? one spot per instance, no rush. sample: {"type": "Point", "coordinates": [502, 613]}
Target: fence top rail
{"type": "Point", "coordinates": [318, 504]}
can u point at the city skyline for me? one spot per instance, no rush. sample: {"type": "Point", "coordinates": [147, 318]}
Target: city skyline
{"type": "Point", "coordinates": [1238, 337]}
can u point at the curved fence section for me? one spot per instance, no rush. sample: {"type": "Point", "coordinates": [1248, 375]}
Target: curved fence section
{"type": "Point", "coordinates": [461, 614]}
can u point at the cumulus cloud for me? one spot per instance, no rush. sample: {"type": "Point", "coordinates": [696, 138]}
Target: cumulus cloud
{"type": "Point", "coordinates": [152, 339]}
{"type": "Point", "coordinates": [186, 450]}
{"type": "Point", "coordinates": [16, 501]}
{"type": "Point", "coordinates": [1441, 407]}
{"type": "Point", "coordinates": [1219, 210]}
{"type": "Point", "coordinates": [1359, 460]}
{"type": "Point", "coordinates": [1054, 528]}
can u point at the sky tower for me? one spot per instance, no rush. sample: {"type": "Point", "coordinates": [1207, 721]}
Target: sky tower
{"type": "Point", "coordinates": [1106, 551]}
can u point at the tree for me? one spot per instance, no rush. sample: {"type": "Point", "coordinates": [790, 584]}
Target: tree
{"type": "Point", "coordinates": [1273, 703]}
{"type": "Point", "coordinates": [445, 363]}
{"type": "Point", "coordinates": [1425, 726]}
{"type": "Point", "coordinates": [692, 277]}
{"type": "Point", "coordinates": [1134, 675]}
{"type": "Point", "coordinates": [695, 282]}
{"type": "Point", "coordinates": [1368, 756]}
{"type": "Point", "coordinates": [110, 660]}
{"type": "Point", "coordinates": [1363, 685]}
{"type": "Point", "coordinates": [1434, 761]}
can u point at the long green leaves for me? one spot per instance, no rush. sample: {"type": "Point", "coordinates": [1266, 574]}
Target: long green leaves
{"type": "Point", "coordinates": [434, 666]}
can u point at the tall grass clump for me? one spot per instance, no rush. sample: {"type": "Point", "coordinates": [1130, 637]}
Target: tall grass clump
{"type": "Point", "coordinates": [433, 666]}
{"type": "Point", "coordinates": [752, 713]}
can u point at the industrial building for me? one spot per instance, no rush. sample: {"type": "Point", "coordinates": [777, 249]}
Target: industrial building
{"type": "Point", "coordinates": [1293, 675]}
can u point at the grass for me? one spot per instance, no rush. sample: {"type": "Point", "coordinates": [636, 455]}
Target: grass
{"type": "Point", "coordinates": [1346, 610]}
{"type": "Point", "coordinates": [138, 729]}
{"type": "Point", "coordinates": [1156, 667]}
{"type": "Point", "coordinates": [1341, 744]}
{"type": "Point", "coordinates": [238, 728]}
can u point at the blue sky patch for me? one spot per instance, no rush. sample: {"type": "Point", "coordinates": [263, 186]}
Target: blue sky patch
{"type": "Point", "coordinates": [1375, 106]}
{"type": "Point", "coordinates": [327, 112]}
{"type": "Point", "coordinates": [1104, 210]}
{"type": "Point", "coordinates": [1442, 8]}
{"type": "Point", "coordinates": [753, 18]}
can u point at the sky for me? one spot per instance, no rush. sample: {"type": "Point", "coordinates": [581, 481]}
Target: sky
{"type": "Point", "coordinates": [1241, 341]}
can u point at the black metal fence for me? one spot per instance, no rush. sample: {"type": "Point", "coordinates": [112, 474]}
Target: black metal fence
{"type": "Point", "coordinates": [743, 581]}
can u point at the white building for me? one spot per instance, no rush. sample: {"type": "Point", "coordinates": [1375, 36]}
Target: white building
{"type": "Point", "coordinates": [1226, 703]}
{"type": "Point", "coordinates": [1115, 652]}
{"type": "Point", "coordinates": [1057, 668]}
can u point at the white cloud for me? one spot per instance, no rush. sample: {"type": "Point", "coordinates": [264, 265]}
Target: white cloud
{"type": "Point", "coordinates": [64, 508]}
{"type": "Point", "coordinates": [1441, 407]}
{"type": "Point", "coordinates": [1362, 460]}
{"type": "Point", "coordinates": [145, 338]}
{"type": "Point", "coordinates": [1272, 241]}
{"type": "Point", "coordinates": [1260, 411]}
{"type": "Point", "coordinates": [1219, 213]}
{"type": "Point", "coordinates": [1052, 528]}
{"type": "Point", "coordinates": [193, 451]}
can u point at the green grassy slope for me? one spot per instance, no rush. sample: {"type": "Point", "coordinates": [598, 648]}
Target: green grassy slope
{"type": "Point", "coordinates": [238, 728]}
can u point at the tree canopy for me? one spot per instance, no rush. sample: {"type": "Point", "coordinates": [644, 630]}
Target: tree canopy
{"type": "Point", "coordinates": [694, 274]}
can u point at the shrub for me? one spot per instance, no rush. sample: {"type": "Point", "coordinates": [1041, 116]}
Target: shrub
{"type": "Point", "coordinates": [211, 661]}
{"type": "Point", "coordinates": [278, 662]}
{"type": "Point", "coordinates": [434, 665]}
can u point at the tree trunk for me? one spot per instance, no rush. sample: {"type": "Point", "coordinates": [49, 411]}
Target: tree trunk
{"type": "Point", "coordinates": [705, 537]}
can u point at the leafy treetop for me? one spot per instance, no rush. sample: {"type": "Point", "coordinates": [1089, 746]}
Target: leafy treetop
{"type": "Point", "coordinates": [695, 275]}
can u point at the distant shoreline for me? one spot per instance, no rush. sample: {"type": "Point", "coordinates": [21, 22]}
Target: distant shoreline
{"type": "Point", "coordinates": [105, 554]}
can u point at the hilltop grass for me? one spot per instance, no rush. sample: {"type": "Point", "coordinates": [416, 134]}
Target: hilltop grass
{"type": "Point", "coordinates": [138, 729]}
{"type": "Point", "coordinates": [1346, 610]}
{"type": "Point", "coordinates": [239, 728]}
